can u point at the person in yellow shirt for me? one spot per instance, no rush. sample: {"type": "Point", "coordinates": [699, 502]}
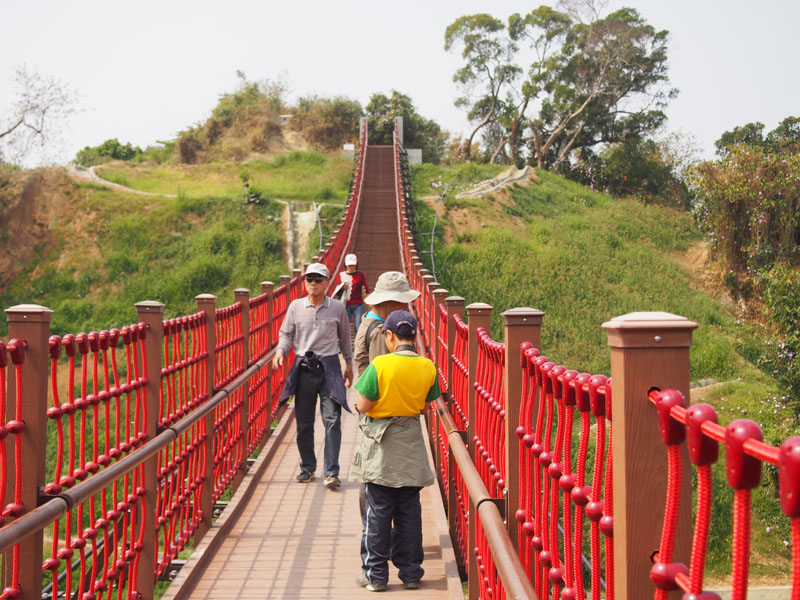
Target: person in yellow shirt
{"type": "Point", "coordinates": [391, 459]}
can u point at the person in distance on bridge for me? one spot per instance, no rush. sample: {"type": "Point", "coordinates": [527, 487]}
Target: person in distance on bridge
{"type": "Point", "coordinates": [392, 292]}
{"type": "Point", "coordinates": [356, 281]}
{"type": "Point", "coordinates": [317, 328]}
{"type": "Point", "coordinates": [391, 459]}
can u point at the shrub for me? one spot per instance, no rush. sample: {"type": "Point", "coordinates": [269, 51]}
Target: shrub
{"type": "Point", "coordinates": [327, 122]}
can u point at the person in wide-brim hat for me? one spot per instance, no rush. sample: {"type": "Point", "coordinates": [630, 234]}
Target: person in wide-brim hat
{"type": "Point", "coordinates": [392, 292]}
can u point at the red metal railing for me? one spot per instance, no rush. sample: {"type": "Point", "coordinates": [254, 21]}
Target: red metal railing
{"type": "Point", "coordinates": [556, 478]}
{"type": "Point", "coordinates": [745, 453]}
{"type": "Point", "coordinates": [121, 467]}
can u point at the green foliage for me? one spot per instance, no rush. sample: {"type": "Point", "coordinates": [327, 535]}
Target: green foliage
{"type": "Point", "coordinates": [748, 204]}
{"type": "Point", "coordinates": [327, 122]}
{"type": "Point", "coordinates": [111, 149]}
{"type": "Point", "coordinates": [171, 249]}
{"type": "Point", "coordinates": [638, 168]}
{"type": "Point", "coordinates": [418, 132]}
{"type": "Point", "coordinates": [593, 80]}
{"type": "Point", "coordinates": [784, 139]}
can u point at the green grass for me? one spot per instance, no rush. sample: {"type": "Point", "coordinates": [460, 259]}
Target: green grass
{"type": "Point", "coordinates": [583, 258]}
{"type": "Point", "coordinates": [130, 247]}
{"type": "Point", "coordinates": [302, 176]}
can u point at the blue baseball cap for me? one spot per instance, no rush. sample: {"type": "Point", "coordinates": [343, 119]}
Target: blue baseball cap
{"type": "Point", "coordinates": [402, 322]}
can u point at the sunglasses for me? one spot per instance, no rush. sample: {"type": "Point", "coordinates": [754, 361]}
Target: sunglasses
{"type": "Point", "coordinates": [315, 278]}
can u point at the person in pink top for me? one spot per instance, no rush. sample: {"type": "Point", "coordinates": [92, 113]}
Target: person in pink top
{"type": "Point", "coordinates": [357, 288]}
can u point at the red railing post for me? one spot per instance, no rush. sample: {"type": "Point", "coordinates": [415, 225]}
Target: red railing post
{"type": "Point", "coordinates": [479, 315]}
{"type": "Point", "coordinates": [151, 314]}
{"type": "Point", "coordinates": [207, 303]}
{"type": "Point", "coordinates": [297, 276]}
{"type": "Point", "coordinates": [455, 306]}
{"type": "Point", "coordinates": [30, 324]}
{"type": "Point", "coordinates": [284, 280]}
{"type": "Point", "coordinates": [438, 295]}
{"type": "Point", "coordinates": [648, 350]}
{"type": "Point", "coordinates": [520, 325]}
{"type": "Point", "coordinates": [242, 295]}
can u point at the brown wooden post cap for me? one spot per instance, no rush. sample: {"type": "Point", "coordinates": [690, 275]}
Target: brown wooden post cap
{"type": "Point", "coordinates": [439, 294]}
{"type": "Point", "coordinates": [241, 292]}
{"type": "Point", "coordinates": [454, 300]}
{"type": "Point", "coordinates": [266, 286]}
{"type": "Point", "coordinates": [479, 308]}
{"type": "Point", "coordinates": [425, 273]}
{"type": "Point", "coordinates": [32, 313]}
{"type": "Point", "coordinates": [150, 306]}
{"type": "Point", "coordinates": [435, 286]}
{"type": "Point", "coordinates": [649, 330]}
{"type": "Point", "coordinates": [522, 316]}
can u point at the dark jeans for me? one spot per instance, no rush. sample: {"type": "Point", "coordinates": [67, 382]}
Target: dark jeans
{"type": "Point", "coordinates": [355, 312]}
{"type": "Point", "coordinates": [310, 384]}
{"type": "Point", "coordinates": [384, 506]}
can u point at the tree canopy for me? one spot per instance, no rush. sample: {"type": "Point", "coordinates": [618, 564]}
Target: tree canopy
{"type": "Point", "coordinates": [600, 81]}
{"type": "Point", "coordinates": [418, 132]}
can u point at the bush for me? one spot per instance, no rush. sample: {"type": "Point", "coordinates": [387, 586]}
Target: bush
{"type": "Point", "coordinates": [748, 205]}
{"type": "Point", "coordinates": [111, 149]}
{"type": "Point", "coordinates": [327, 122]}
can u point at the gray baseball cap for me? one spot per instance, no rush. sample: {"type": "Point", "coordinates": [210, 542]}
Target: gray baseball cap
{"type": "Point", "coordinates": [319, 269]}
{"type": "Point", "coordinates": [391, 285]}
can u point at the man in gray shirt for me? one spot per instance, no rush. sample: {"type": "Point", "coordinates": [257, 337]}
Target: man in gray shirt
{"type": "Point", "coordinates": [317, 329]}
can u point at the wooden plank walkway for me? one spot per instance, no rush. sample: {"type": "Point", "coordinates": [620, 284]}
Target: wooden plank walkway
{"type": "Point", "coordinates": [289, 540]}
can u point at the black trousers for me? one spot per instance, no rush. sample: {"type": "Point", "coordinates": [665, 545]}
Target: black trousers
{"type": "Point", "coordinates": [383, 507]}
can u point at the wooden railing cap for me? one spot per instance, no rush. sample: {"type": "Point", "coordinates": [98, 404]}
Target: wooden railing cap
{"type": "Point", "coordinates": [30, 313]}
{"type": "Point", "coordinates": [522, 316]}
{"type": "Point", "coordinates": [150, 306]}
{"type": "Point", "coordinates": [241, 291]}
{"type": "Point", "coordinates": [454, 301]}
{"type": "Point", "coordinates": [478, 308]}
{"type": "Point", "coordinates": [649, 330]}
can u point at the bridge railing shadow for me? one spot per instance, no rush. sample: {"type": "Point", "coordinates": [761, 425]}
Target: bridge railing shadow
{"type": "Point", "coordinates": [588, 505]}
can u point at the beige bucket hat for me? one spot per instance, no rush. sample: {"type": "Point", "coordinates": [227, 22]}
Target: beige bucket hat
{"type": "Point", "coordinates": [391, 285]}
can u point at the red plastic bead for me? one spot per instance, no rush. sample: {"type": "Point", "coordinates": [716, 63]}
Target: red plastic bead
{"type": "Point", "coordinates": [743, 471]}
{"type": "Point", "coordinates": [594, 510]}
{"type": "Point", "coordinates": [702, 449]}
{"type": "Point", "coordinates": [672, 431]}
{"type": "Point", "coordinates": [607, 526]}
{"type": "Point", "coordinates": [556, 575]}
{"type": "Point", "coordinates": [789, 477]}
{"type": "Point", "coordinates": [663, 575]}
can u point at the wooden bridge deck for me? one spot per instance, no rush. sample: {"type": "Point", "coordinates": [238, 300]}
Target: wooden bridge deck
{"type": "Point", "coordinates": [282, 539]}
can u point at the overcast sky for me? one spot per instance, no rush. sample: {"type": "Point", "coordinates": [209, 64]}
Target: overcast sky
{"type": "Point", "coordinates": [145, 70]}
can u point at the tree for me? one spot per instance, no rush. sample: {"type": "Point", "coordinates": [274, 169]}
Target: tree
{"type": "Point", "coordinates": [751, 134]}
{"type": "Point", "coordinates": [601, 81]}
{"type": "Point", "coordinates": [418, 132]}
{"type": "Point", "coordinates": [489, 68]}
{"type": "Point", "coordinates": [41, 107]}
{"type": "Point", "coordinates": [604, 85]}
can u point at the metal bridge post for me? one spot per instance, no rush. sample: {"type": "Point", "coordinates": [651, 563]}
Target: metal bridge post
{"type": "Point", "coordinates": [151, 314]}
{"type": "Point", "coordinates": [648, 350]}
{"type": "Point", "coordinates": [297, 276]}
{"type": "Point", "coordinates": [207, 303]}
{"type": "Point", "coordinates": [479, 315]}
{"type": "Point", "coordinates": [30, 324]}
{"type": "Point", "coordinates": [243, 295]}
{"type": "Point", "coordinates": [520, 325]}
{"type": "Point", "coordinates": [455, 306]}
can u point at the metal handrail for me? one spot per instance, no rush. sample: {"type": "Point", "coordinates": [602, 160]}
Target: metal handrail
{"type": "Point", "coordinates": [41, 516]}
{"type": "Point", "coordinates": [512, 574]}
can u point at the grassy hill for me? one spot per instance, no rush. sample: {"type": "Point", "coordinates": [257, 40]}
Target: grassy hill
{"type": "Point", "coordinates": [583, 258]}
{"type": "Point", "coordinates": [92, 252]}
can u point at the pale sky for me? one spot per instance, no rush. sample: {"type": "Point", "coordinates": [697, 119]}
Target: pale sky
{"type": "Point", "coordinates": [145, 70]}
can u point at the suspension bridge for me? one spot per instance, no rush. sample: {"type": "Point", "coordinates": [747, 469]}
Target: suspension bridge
{"type": "Point", "coordinates": [156, 460]}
